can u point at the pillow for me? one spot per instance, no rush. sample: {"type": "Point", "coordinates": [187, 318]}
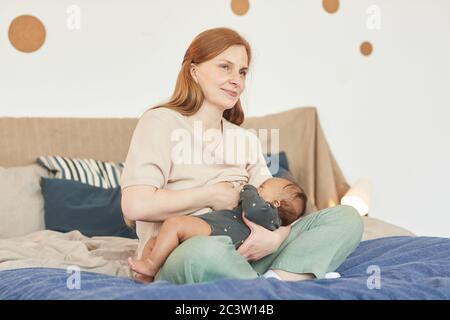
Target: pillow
{"type": "Point", "coordinates": [107, 174]}
{"type": "Point", "coordinates": [278, 165]}
{"type": "Point", "coordinates": [94, 211]}
{"type": "Point", "coordinates": [21, 202]}
{"type": "Point", "coordinates": [93, 172]}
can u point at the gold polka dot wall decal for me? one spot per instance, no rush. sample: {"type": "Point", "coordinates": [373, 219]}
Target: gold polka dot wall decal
{"type": "Point", "coordinates": [330, 6]}
{"type": "Point", "coordinates": [240, 7]}
{"type": "Point", "coordinates": [26, 33]}
{"type": "Point", "coordinates": [366, 48]}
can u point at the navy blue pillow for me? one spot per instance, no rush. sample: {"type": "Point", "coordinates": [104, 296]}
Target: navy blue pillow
{"type": "Point", "coordinates": [94, 211]}
{"type": "Point", "coordinates": [282, 170]}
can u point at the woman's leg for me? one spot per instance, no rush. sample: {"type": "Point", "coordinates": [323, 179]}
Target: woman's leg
{"type": "Point", "coordinates": [202, 259]}
{"type": "Point", "coordinates": [317, 244]}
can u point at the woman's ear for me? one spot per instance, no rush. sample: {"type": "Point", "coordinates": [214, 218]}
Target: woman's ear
{"type": "Point", "coordinates": [193, 71]}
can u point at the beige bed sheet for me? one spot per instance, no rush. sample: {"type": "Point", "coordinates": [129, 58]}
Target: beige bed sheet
{"type": "Point", "coordinates": [375, 228]}
{"type": "Point", "coordinates": [51, 249]}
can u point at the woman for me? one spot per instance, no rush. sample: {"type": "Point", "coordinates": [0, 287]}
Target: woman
{"type": "Point", "coordinates": [155, 187]}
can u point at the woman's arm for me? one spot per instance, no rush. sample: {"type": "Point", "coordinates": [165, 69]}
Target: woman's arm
{"type": "Point", "coordinates": [148, 203]}
{"type": "Point", "coordinates": [283, 232]}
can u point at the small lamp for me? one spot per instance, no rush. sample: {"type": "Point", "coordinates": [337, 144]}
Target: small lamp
{"type": "Point", "coordinates": [358, 196]}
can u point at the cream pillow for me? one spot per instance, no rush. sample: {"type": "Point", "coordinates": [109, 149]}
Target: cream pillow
{"type": "Point", "coordinates": [21, 201]}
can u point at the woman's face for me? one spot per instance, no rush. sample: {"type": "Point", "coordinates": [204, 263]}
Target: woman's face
{"type": "Point", "coordinates": [222, 79]}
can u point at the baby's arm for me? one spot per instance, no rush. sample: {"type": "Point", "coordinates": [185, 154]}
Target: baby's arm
{"type": "Point", "coordinates": [257, 209]}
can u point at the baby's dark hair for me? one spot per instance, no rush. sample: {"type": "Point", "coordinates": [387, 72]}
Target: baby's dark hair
{"type": "Point", "coordinates": [293, 206]}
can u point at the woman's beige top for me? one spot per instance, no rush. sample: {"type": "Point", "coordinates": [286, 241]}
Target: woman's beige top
{"type": "Point", "coordinates": [170, 151]}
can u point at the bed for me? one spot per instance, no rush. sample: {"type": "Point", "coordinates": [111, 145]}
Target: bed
{"type": "Point", "coordinates": [37, 263]}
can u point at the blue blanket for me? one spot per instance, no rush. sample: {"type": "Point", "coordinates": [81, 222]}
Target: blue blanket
{"type": "Point", "coordinates": [385, 268]}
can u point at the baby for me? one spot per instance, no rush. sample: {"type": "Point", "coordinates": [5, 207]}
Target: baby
{"type": "Point", "coordinates": [277, 202]}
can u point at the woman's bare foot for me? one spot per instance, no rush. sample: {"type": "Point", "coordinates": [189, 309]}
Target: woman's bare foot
{"type": "Point", "coordinates": [145, 267]}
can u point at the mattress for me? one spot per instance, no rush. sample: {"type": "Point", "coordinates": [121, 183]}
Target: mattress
{"type": "Point", "coordinates": [400, 267]}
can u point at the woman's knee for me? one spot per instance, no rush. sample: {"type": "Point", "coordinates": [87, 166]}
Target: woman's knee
{"type": "Point", "coordinates": [194, 250]}
{"type": "Point", "coordinates": [342, 216]}
{"type": "Point", "coordinates": [186, 263]}
{"type": "Point", "coordinates": [350, 219]}
{"type": "Point", "coordinates": [199, 248]}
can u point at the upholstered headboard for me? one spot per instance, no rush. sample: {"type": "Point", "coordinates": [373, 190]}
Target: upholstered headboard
{"type": "Point", "coordinates": [22, 140]}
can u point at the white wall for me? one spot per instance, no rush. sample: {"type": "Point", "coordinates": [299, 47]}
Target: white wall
{"type": "Point", "coordinates": [385, 116]}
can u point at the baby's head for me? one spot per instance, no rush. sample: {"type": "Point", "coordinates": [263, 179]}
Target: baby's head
{"type": "Point", "coordinates": [285, 195]}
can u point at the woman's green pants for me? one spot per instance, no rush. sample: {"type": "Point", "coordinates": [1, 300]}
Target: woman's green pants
{"type": "Point", "coordinates": [317, 243]}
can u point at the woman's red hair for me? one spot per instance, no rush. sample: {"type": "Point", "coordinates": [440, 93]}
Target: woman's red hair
{"type": "Point", "coordinates": [187, 97]}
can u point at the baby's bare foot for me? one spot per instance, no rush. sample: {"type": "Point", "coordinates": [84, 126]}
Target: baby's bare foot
{"type": "Point", "coordinates": [145, 267]}
{"type": "Point", "coordinates": [142, 278]}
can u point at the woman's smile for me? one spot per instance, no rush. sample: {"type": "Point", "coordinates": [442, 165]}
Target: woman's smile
{"type": "Point", "coordinates": [233, 94]}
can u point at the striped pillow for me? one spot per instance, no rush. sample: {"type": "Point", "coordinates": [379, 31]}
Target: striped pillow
{"type": "Point", "coordinates": [89, 171]}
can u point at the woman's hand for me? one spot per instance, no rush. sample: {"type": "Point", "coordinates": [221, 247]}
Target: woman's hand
{"type": "Point", "coordinates": [224, 196]}
{"type": "Point", "coordinates": [261, 241]}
